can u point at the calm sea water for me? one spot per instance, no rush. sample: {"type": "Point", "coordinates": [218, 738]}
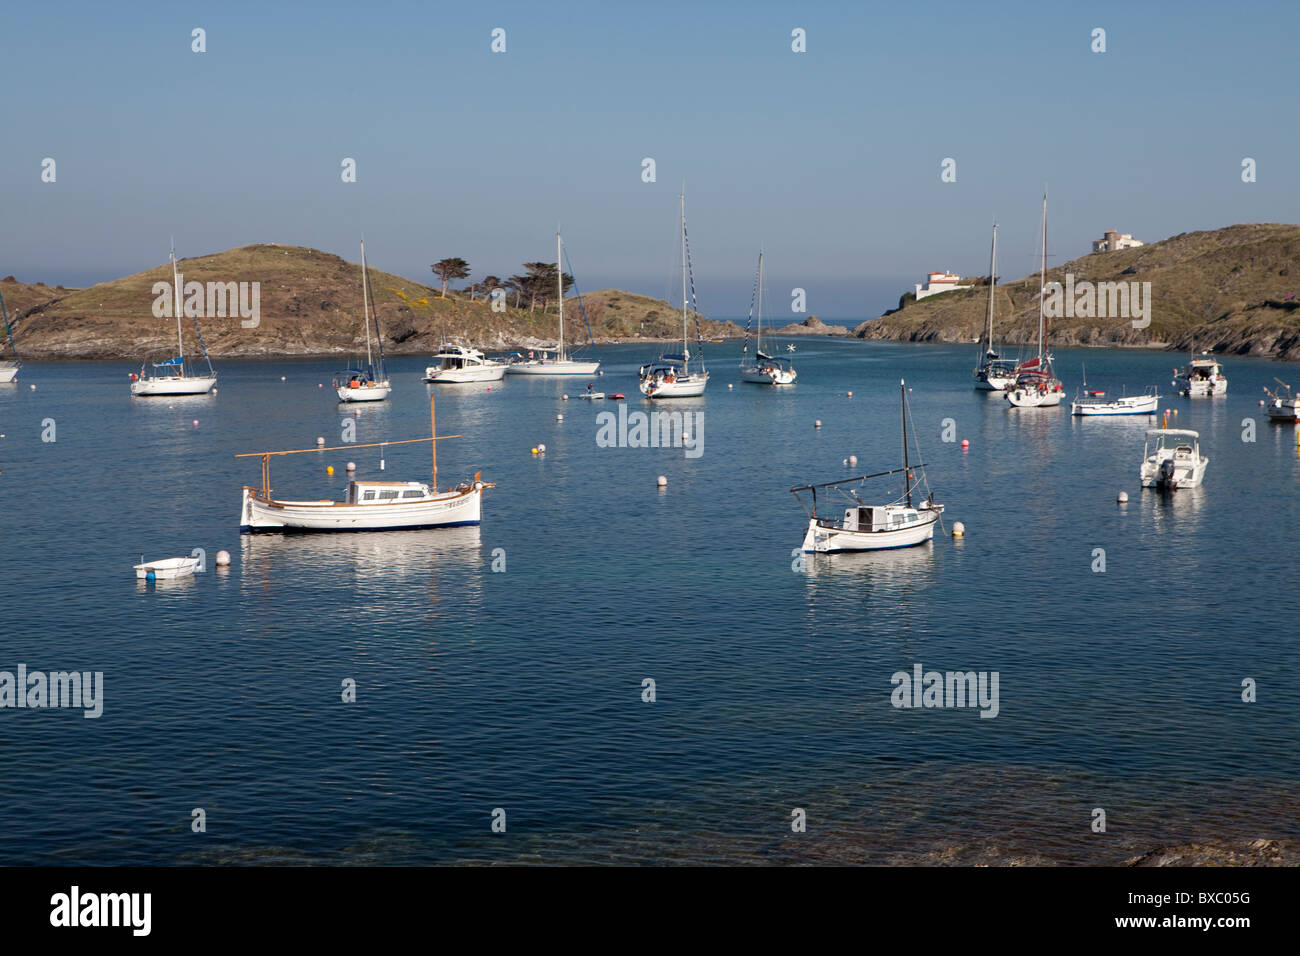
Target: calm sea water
{"type": "Point", "coordinates": [522, 689]}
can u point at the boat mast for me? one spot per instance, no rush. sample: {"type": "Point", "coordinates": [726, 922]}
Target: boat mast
{"type": "Point", "coordinates": [685, 350]}
{"type": "Point", "coordinates": [993, 284]}
{"type": "Point", "coordinates": [365, 303]}
{"type": "Point", "coordinates": [907, 464]}
{"type": "Point", "coordinates": [758, 336]}
{"type": "Point", "coordinates": [176, 285]}
{"type": "Point", "coordinates": [559, 280]}
{"type": "Point", "coordinates": [433, 431]}
{"type": "Point", "coordinates": [1042, 276]}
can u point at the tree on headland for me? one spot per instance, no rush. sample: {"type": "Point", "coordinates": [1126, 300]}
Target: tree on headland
{"type": "Point", "coordinates": [540, 283]}
{"type": "Point", "coordinates": [448, 269]}
{"type": "Point", "coordinates": [487, 285]}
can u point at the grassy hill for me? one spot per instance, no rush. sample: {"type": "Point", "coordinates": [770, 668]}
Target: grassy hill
{"type": "Point", "coordinates": [1234, 290]}
{"type": "Point", "coordinates": [310, 303]}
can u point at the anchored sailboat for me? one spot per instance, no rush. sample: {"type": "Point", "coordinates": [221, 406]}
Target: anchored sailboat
{"type": "Point", "coordinates": [174, 376]}
{"type": "Point", "coordinates": [9, 367]}
{"type": "Point", "coordinates": [874, 527]}
{"type": "Point", "coordinates": [370, 505]}
{"type": "Point", "coordinates": [1036, 385]}
{"type": "Point", "coordinates": [672, 375]}
{"type": "Point", "coordinates": [763, 369]}
{"type": "Point", "coordinates": [559, 363]}
{"type": "Point", "coordinates": [368, 384]}
{"type": "Point", "coordinates": [994, 374]}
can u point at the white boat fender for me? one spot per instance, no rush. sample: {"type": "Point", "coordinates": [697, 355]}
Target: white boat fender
{"type": "Point", "coordinates": [958, 530]}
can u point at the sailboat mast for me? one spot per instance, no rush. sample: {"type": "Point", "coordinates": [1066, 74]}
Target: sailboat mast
{"type": "Point", "coordinates": [180, 307]}
{"type": "Point", "coordinates": [365, 301]}
{"type": "Point", "coordinates": [685, 351]}
{"type": "Point", "coordinates": [993, 284]}
{"type": "Point", "coordinates": [559, 281]}
{"type": "Point", "coordinates": [758, 346]}
{"type": "Point", "coordinates": [907, 463]}
{"type": "Point", "coordinates": [1042, 280]}
{"type": "Point", "coordinates": [433, 432]}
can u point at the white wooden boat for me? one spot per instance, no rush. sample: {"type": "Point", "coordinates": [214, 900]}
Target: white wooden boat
{"type": "Point", "coordinates": [994, 373]}
{"type": "Point", "coordinates": [175, 376]}
{"type": "Point", "coordinates": [369, 505]}
{"type": "Point", "coordinates": [1202, 377]}
{"type": "Point", "coordinates": [1091, 404]}
{"type": "Point", "coordinates": [672, 376]}
{"type": "Point", "coordinates": [9, 367]}
{"type": "Point", "coordinates": [457, 363]}
{"type": "Point", "coordinates": [898, 524]}
{"type": "Point", "coordinates": [166, 568]}
{"type": "Point", "coordinates": [763, 369]}
{"type": "Point", "coordinates": [367, 384]}
{"type": "Point", "coordinates": [1284, 404]}
{"type": "Point", "coordinates": [1172, 459]}
{"type": "Point", "coordinates": [556, 362]}
{"type": "Point", "coordinates": [1036, 384]}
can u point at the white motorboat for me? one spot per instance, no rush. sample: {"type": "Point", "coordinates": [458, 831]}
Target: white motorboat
{"type": "Point", "coordinates": [369, 505]}
{"type": "Point", "coordinates": [763, 369]}
{"type": "Point", "coordinates": [1284, 404]}
{"type": "Point", "coordinates": [1200, 378]}
{"type": "Point", "coordinates": [367, 384]}
{"type": "Point", "coordinates": [994, 374]}
{"type": "Point", "coordinates": [1172, 459]}
{"type": "Point", "coordinates": [165, 569]}
{"type": "Point", "coordinates": [175, 376]}
{"type": "Point", "coordinates": [1036, 384]}
{"type": "Point", "coordinates": [1091, 404]}
{"type": "Point", "coordinates": [457, 363]}
{"type": "Point", "coordinates": [8, 367]}
{"type": "Point", "coordinates": [557, 361]}
{"type": "Point", "coordinates": [898, 524]}
{"type": "Point", "coordinates": [672, 375]}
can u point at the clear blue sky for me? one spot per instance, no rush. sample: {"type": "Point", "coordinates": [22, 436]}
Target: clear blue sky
{"type": "Point", "coordinates": [830, 158]}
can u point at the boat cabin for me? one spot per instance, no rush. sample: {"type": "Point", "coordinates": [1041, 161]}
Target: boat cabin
{"type": "Point", "coordinates": [879, 517]}
{"type": "Point", "coordinates": [386, 492]}
{"type": "Point", "coordinates": [457, 356]}
{"type": "Point", "coordinates": [1203, 369]}
{"type": "Point", "coordinates": [1178, 443]}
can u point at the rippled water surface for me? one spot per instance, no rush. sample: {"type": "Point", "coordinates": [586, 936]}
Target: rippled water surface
{"type": "Point", "coordinates": [522, 689]}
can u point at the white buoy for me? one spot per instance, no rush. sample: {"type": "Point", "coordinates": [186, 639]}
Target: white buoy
{"type": "Point", "coordinates": [320, 441]}
{"type": "Point", "coordinates": [730, 386]}
{"type": "Point", "coordinates": [662, 482]}
{"type": "Point", "coordinates": [1261, 401]}
{"type": "Point", "coordinates": [846, 463]}
{"type": "Point", "coordinates": [282, 378]}
{"type": "Point", "coordinates": [958, 530]}
{"type": "Point", "coordinates": [196, 423]}
{"type": "Point", "coordinates": [817, 424]}
{"type": "Point", "coordinates": [559, 418]}
{"type": "Point", "coordinates": [850, 394]}
{"type": "Point", "coordinates": [352, 466]}
{"type": "Point", "coordinates": [32, 387]}
{"type": "Point", "coordinates": [853, 460]}
{"type": "Point", "coordinates": [223, 559]}
{"type": "Point", "coordinates": [1122, 498]}
{"type": "Point", "coordinates": [564, 397]}
{"type": "Point", "coordinates": [541, 449]}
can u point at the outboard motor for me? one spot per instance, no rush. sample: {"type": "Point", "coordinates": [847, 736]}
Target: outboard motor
{"type": "Point", "coordinates": [1167, 473]}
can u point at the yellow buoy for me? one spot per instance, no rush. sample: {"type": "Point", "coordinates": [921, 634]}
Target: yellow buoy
{"type": "Point", "coordinates": [329, 469]}
{"type": "Point", "coordinates": [534, 451]}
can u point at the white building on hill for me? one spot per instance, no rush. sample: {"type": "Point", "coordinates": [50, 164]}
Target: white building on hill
{"type": "Point", "coordinates": [939, 282]}
{"type": "Point", "coordinates": [1112, 241]}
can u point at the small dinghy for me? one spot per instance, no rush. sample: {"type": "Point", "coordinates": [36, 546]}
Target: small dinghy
{"type": "Point", "coordinates": [592, 396]}
{"type": "Point", "coordinates": [617, 397]}
{"type": "Point", "coordinates": [165, 569]}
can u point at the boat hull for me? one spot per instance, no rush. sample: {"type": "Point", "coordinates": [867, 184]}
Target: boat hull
{"type": "Point", "coordinates": [553, 368]}
{"type": "Point", "coordinates": [199, 385]}
{"type": "Point", "coordinates": [1201, 388]}
{"type": "Point", "coordinates": [681, 388]}
{"type": "Point", "coordinates": [167, 569]}
{"type": "Point", "coordinates": [8, 373]}
{"type": "Point", "coordinates": [1033, 398]}
{"type": "Point", "coordinates": [1278, 411]}
{"type": "Point", "coordinates": [1190, 477]}
{"type": "Point", "coordinates": [447, 510]}
{"type": "Point", "coordinates": [364, 393]}
{"type": "Point", "coordinates": [761, 376]}
{"type": "Point", "coordinates": [1142, 405]}
{"type": "Point", "coordinates": [993, 383]}
{"type": "Point", "coordinates": [457, 376]}
{"type": "Point", "coordinates": [825, 539]}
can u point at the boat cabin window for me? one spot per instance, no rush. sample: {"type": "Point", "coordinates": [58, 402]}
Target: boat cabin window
{"type": "Point", "coordinates": [387, 495]}
{"type": "Point", "coordinates": [368, 496]}
{"type": "Point", "coordinates": [413, 494]}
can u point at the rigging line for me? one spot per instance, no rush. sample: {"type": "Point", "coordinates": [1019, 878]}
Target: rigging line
{"type": "Point", "coordinates": [370, 289]}
{"type": "Point", "coordinates": [8, 330]}
{"type": "Point", "coordinates": [695, 303]}
{"type": "Point", "coordinates": [204, 345]}
{"type": "Point", "coordinates": [591, 339]}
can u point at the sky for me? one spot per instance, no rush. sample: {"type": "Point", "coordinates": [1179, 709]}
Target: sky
{"type": "Point", "coordinates": [830, 159]}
